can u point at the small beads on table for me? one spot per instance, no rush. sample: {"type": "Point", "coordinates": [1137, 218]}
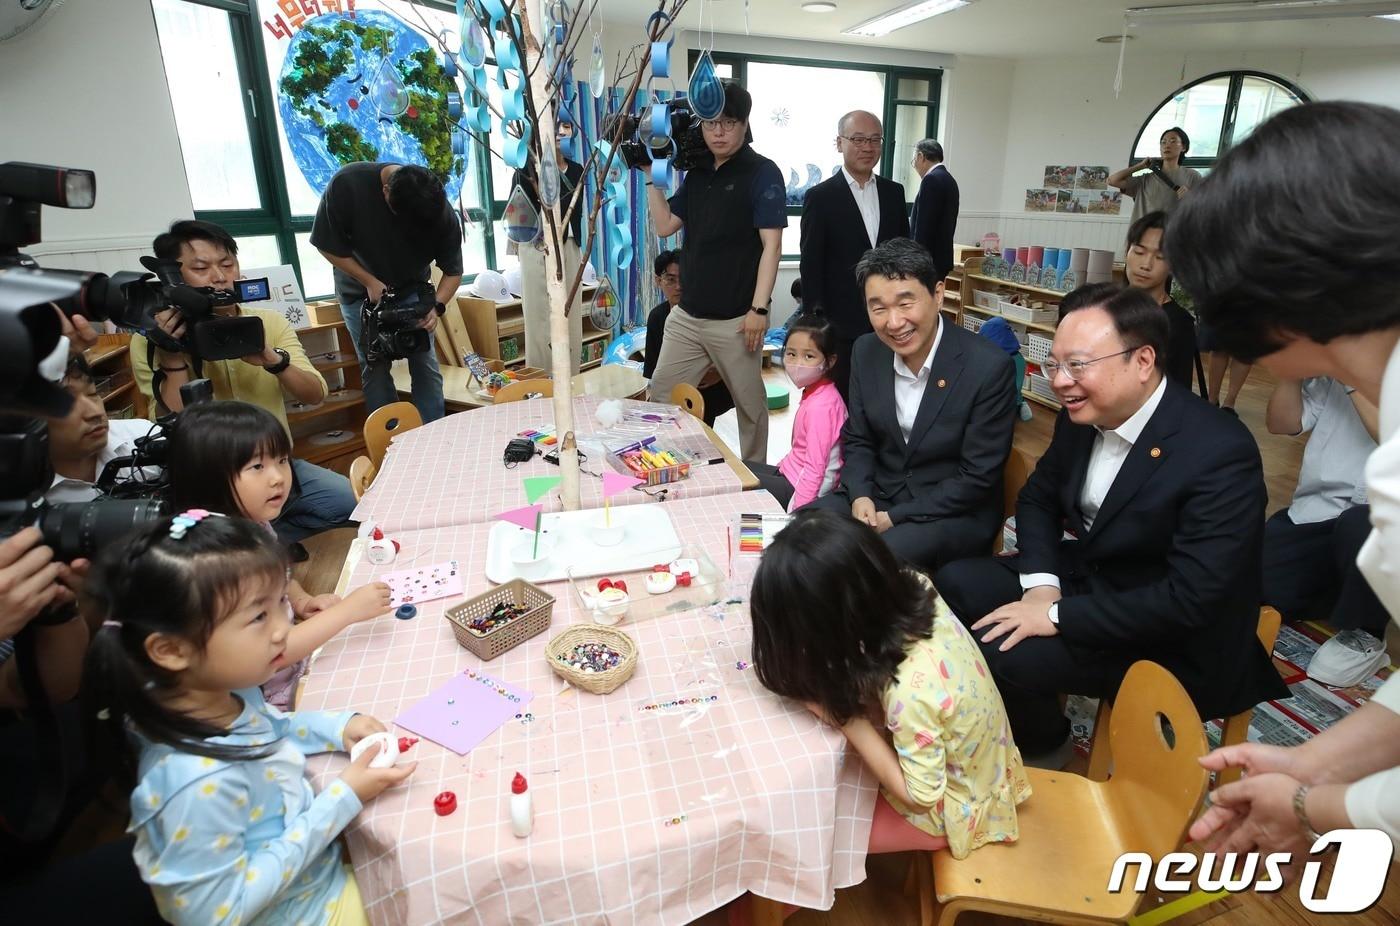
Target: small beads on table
{"type": "Point", "coordinates": [591, 657]}
{"type": "Point", "coordinates": [500, 615]}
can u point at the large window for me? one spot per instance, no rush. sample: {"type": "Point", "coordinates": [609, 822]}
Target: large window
{"type": "Point", "coordinates": [797, 103]}
{"type": "Point", "coordinates": [223, 63]}
{"type": "Point", "coordinates": [1217, 111]}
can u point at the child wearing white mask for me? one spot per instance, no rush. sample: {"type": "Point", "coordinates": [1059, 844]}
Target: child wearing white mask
{"type": "Point", "coordinates": [813, 467]}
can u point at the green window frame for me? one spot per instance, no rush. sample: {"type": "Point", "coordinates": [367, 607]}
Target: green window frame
{"type": "Point", "coordinates": [893, 74]}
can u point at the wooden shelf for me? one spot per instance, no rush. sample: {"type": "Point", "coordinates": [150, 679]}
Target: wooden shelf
{"type": "Point", "coordinates": [591, 364]}
{"type": "Point", "coordinates": [1037, 397]}
{"type": "Point", "coordinates": [510, 329]}
{"type": "Point", "coordinates": [1024, 287]}
{"type": "Point", "coordinates": [993, 312]}
{"type": "Point", "coordinates": [120, 390]}
{"type": "Point", "coordinates": [341, 361]}
{"type": "Point", "coordinates": [597, 336]}
{"type": "Point", "coordinates": [319, 454]}
{"type": "Point", "coordinates": [325, 408]}
{"type": "Point", "coordinates": [326, 327]}
{"type": "Point", "coordinates": [516, 362]}
{"type": "Point", "coordinates": [94, 359]}
{"type": "Point", "coordinates": [949, 296]}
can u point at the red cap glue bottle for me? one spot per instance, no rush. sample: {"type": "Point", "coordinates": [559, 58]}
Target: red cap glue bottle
{"type": "Point", "coordinates": [381, 551]}
{"type": "Point", "coordinates": [522, 809]}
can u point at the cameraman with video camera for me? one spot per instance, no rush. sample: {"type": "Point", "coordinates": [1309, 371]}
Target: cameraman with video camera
{"type": "Point", "coordinates": [733, 212]}
{"type": "Point", "coordinates": [208, 257]}
{"type": "Point", "coordinates": [381, 226]}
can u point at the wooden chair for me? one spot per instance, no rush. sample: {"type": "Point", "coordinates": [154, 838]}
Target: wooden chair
{"type": "Point", "coordinates": [362, 472]}
{"type": "Point", "coordinates": [385, 422]}
{"type": "Point", "coordinates": [689, 398]}
{"type": "Point", "coordinates": [1236, 726]}
{"type": "Point", "coordinates": [514, 392]}
{"type": "Point", "coordinates": [1019, 466]}
{"type": "Point", "coordinates": [1072, 829]}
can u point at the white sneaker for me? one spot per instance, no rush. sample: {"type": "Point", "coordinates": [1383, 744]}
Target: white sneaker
{"type": "Point", "coordinates": [1348, 659]}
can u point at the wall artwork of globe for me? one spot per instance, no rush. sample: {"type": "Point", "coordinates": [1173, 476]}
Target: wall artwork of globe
{"type": "Point", "coordinates": [366, 89]}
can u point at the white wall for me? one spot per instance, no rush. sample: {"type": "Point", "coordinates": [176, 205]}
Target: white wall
{"type": "Point", "coordinates": [1063, 111]}
{"type": "Point", "coordinates": [86, 88]}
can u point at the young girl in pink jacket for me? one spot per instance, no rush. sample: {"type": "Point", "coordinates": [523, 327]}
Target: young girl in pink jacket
{"type": "Point", "coordinates": [813, 467]}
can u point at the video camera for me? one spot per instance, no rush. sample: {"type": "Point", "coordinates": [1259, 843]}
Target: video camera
{"type": "Point", "coordinates": [389, 329]}
{"type": "Point", "coordinates": [130, 300]}
{"type": "Point", "coordinates": [686, 146]}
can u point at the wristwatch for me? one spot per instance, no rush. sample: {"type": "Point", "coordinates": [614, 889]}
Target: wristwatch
{"type": "Point", "coordinates": [439, 308]}
{"type": "Point", "coordinates": [280, 365]}
{"type": "Point", "coordinates": [760, 311]}
{"type": "Point", "coordinates": [1054, 614]}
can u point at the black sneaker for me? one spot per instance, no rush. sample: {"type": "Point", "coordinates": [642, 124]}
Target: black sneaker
{"type": "Point", "coordinates": [1229, 410]}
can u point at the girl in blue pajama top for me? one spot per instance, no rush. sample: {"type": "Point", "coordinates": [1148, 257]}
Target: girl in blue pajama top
{"type": "Point", "coordinates": [228, 829]}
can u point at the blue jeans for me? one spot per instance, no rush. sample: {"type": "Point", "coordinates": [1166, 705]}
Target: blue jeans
{"type": "Point", "coordinates": [325, 500]}
{"type": "Point", "coordinates": [378, 378]}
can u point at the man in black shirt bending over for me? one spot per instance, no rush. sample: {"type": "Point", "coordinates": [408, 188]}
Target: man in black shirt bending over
{"type": "Point", "coordinates": [733, 212]}
{"type": "Point", "coordinates": [381, 226]}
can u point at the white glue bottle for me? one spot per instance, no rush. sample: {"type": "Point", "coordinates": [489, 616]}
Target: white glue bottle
{"type": "Point", "coordinates": [522, 810]}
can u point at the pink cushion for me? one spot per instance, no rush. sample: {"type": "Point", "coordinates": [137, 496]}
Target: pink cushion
{"type": "Point", "coordinates": [890, 832]}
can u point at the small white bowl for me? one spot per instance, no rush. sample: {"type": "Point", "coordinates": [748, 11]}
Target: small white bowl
{"type": "Point", "coordinates": [607, 535]}
{"type": "Point", "coordinates": [528, 562]}
{"type": "Point", "coordinates": [610, 606]}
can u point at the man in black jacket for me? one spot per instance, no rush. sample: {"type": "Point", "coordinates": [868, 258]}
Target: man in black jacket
{"type": "Point", "coordinates": [1165, 496]}
{"type": "Point", "coordinates": [936, 205]}
{"type": "Point", "coordinates": [931, 412]}
{"type": "Point", "coordinates": [843, 217]}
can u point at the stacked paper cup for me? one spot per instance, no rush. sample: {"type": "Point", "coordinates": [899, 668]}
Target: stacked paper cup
{"type": "Point", "coordinates": [1100, 269]}
{"type": "Point", "coordinates": [1034, 263]}
{"type": "Point", "coordinates": [1049, 268]}
{"type": "Point", "coordinates": [1078, 269]}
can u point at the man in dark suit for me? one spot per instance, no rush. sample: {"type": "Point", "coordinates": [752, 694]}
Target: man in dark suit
{"type": "Point", "coordinates": [930, 417]}
{"type": "Point", "coordinates": [936, 205]}
{"type": "Point", "coordinates": [843, 217]}
{"type": "Point", "coordinates": [1165, 495]}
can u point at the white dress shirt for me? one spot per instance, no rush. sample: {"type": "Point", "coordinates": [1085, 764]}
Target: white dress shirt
{"type": "Point", "coordinates": [868, 202]}
{"type": "Point", "coordinates": [1374, 802]}
{"type": "Point", "coordinates": [121, 440]}
{"type": "Point", "coordinates": [909, 387]}
{"type": "Point", "coordinates": [1332, 477]}
{"type": "Point", "coordinates": [1111, 446]}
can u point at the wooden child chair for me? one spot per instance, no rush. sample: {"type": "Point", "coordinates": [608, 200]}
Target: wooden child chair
{"type": "Point", "coordinates": [1014, 476]}
{"type": "Point", "coordinates": [689, 398]}
{"type": "Point", "coordinates": [1072, 829]}
{"type": "Point", "coordinates": [1236, 726]}
{"type": "Point", "coordinates": [514, 392]}
{"type": "Point", "coordinates": [362, 472]}
{"type": "Point", "coordinates": [385, 422]}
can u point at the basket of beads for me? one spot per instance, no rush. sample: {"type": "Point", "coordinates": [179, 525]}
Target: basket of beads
{"type": "Point", "coordinates": [596, 659]}
{"type": "Point", "coordinates": [502, 618]}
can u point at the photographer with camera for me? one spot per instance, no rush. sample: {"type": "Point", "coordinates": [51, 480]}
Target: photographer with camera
{"type": "Point", "coordinates": [381, 226]}
{"type": "Point", "coordinates": [734, 212]}
{"type": "Point", "coordinates": [84, 442]}
{"type": "Point", "coordinates": [1167, 182]}
{"type": "Point", "coordinates": [208, 256]}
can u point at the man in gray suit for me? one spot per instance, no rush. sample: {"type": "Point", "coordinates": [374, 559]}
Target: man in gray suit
{"type": "Point", "coordinates": [931, 411]}
{"type": "Point", "coordinates": [935, 206]}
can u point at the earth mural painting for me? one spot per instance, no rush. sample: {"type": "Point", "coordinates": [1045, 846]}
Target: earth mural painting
{"type": "Point", "coordinates": [366, 89]}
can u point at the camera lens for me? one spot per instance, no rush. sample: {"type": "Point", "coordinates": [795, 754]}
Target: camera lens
{"type": "Point", "coordinates": [80, 529]}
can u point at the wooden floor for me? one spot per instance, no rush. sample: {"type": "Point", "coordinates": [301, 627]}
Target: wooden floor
{"type": "Point", "coordinates": [879, 901]}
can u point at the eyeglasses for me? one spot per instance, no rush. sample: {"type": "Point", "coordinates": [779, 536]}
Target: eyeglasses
{"type": "Point", "coordinates": [865, 141]}
{"type": "Point", "coordinates": [1074, 369]}
{"type": "Point", "coordinates": [728, 125]}
{"type": "Point", "coordinates": [670, 278]}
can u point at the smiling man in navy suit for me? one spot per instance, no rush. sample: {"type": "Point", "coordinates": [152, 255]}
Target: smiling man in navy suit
{"type": "Point", "coordinates": [1165, 496]}
{"type": "Point", "coordinates": [843, 217]}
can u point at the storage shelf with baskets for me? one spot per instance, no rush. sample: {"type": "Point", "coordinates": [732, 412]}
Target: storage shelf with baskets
{"type": "Point", "coordinates": [1031, 312]}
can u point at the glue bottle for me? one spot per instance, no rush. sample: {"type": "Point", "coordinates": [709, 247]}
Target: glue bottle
{"type": "Point", "coordinates": [522, 809]}
{"type": "Point", "coordinates": [381, 551]}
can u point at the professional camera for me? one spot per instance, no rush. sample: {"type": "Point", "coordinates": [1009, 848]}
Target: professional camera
{"type": "Point", "coordinates": [130, 300]}
{"type": "Point", "coordinates": [389, 329]}
{"type": "Point", "coordinates": [686, 146]}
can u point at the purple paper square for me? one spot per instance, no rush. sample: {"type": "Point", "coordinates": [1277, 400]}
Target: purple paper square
{"type": "Point", "coordinates": [465, 711]}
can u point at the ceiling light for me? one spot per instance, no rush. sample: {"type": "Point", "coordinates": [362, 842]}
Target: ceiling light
{"type": "Point", "coordinates": [906, 15]}
{"type": "Point", "coordinates": [1258, 11]}
{"type": "Point", "coordinates": [1114, 39]}
{"type": "Point", "coordinates": [819, 8]}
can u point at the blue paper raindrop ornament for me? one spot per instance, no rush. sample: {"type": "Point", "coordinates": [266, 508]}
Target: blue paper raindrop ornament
{"type": "Point", "coordinates": [706, 91]}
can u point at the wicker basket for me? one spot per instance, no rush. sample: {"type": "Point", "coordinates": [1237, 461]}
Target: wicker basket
{"type": "Point", "coordinates": [595, 682]}
{"type": "Point", "coordinates": [494, 642]}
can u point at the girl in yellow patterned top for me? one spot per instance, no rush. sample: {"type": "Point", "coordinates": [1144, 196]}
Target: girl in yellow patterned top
{"type": "Point", "coordinates": [840, 626]}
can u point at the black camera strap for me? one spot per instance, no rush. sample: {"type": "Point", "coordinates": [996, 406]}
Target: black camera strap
{"type": "Point", "coordinates": [195, 364]}
{"type": "Point", "coordinates": [1161, 175]}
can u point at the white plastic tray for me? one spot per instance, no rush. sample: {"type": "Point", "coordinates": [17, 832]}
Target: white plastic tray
{"type": "Point", "coordinates": [650, 538]}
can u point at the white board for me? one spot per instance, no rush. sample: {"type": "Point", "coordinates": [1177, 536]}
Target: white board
{"type": "Point", "coordinates": [649, 538]}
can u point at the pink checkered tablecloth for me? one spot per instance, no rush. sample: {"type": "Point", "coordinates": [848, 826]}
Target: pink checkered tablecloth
{"type": "Point", "coordinates": [451, 471]}
{"type": "Point", "coordinates": [641, 816]}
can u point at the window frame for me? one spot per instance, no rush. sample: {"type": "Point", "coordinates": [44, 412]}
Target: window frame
{"type": "Point", "coordinates": [892, 73]}
{"type": "Point", "coordinates": [1232, 108]}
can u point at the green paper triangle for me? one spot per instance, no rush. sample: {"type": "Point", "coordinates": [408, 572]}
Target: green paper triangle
{"type": "Point", "coordinates": [536, 487]}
